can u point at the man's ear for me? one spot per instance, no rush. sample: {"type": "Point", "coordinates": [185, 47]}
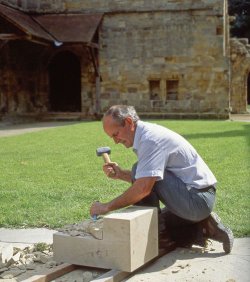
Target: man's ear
{"type": "Point", "coordinates": [130, 122]}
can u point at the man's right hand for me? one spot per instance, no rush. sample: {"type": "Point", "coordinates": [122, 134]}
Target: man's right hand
{"type": "Point", "coordinates": [112, 170]}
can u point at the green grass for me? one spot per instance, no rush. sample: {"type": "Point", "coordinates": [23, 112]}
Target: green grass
{"type": "Point", "coordinates": [50, 178]}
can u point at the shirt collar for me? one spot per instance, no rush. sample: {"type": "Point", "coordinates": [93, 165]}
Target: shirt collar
{"type": "Point", "coordinates": [138, 132]}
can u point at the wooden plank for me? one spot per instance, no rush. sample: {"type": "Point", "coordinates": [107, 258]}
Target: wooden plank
{"type": "Point", "coordinates": [117, 275]}
{"type": "Point", "coordinates": [112, 276]}
{"type": "Point", "coordinates": [10, 36]}
{"type": "Point", "coordinates": [53, 274]}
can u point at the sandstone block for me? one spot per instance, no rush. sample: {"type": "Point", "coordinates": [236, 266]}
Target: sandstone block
{"type": "Point", "coordinates": [130, 239]}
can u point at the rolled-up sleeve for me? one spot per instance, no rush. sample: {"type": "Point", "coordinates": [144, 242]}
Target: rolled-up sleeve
{"type": "Point", "coordinates": [151, 160]}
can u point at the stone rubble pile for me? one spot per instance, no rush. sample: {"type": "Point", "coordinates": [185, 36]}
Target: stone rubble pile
{"type": "Point", "coordinates": [89, 227]}
{"type": "Point", "coordinates": [15, 261]}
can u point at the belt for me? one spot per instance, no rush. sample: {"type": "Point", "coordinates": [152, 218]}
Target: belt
{"type": "Point", "coordinates": [206, 189]}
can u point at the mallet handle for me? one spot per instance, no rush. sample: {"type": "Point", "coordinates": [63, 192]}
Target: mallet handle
{"type": "Point", "coordinates": [106, 158]}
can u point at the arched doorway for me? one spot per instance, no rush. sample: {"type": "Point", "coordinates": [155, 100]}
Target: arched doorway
{"type": "Point", "coordinates": [65, 83]}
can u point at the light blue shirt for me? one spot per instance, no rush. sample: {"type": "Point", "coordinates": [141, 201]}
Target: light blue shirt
{"type": "Point", "coordinates": [159, 149]}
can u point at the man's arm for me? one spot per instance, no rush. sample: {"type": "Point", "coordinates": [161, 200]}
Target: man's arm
{"type": "Point", "coordinates": [112, 170]}
{"type": "Point", "coordinates": [125, 175]}
{"type": "Point", "coordinates": [140, 189]}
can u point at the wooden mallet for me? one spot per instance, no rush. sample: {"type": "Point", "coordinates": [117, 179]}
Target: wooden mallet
{"type": "Point", "coordinates": [105, 152]}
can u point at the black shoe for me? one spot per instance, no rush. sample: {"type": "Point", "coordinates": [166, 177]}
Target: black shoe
{"type": "Point", "coordinates": [215, 230]}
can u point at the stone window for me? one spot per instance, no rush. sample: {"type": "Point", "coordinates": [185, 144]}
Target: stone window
{"type": "Point", "coordinates": [172, 87]}
{"type": "Point", "coordinates": [155, 93]}
{"type": "Point", "coordinates": [154, 88]}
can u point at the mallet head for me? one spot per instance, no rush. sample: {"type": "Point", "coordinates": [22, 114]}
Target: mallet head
{"type": "Point", "coordinates": [103, 150]}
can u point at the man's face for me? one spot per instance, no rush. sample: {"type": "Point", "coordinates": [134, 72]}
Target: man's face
{"type": "Point", "coordinates": [123, 134]}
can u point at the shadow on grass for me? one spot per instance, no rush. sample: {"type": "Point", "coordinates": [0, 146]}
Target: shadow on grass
{"type": "Point", "coordinates": [245, 132]}
{"type": "Point", "coordinates": [233, 133]}
{"type": "Point", "coordinates": [20, 126]}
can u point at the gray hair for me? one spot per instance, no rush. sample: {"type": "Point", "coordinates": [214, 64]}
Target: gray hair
{"type": "Point", "coordinates": [120, 112]}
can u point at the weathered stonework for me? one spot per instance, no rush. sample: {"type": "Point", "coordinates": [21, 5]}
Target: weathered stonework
{"type": "Point", "coordinates": [65, 6]}
{"type": "Point", "coordinates": [240, 71]}
{"type": "Point", "coordinates": [163, 47]}
{"type": "Point", "coordinates": [167, 58]}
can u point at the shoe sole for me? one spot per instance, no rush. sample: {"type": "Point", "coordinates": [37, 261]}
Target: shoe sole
{"type": "Point", "coordinates": [229, 238]}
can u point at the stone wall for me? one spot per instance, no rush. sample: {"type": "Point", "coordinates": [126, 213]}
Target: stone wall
{"type": "Point", "coordinates": [141, 48]}
{"type": "Point", "coordinates": [240, 70]}
{"type": "Point", "coordinates": [106, 6]}
{"type": "Point", "coordinates": [163, 57]}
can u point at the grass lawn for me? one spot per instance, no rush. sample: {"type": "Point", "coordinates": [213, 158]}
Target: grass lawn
{"type": "Point", "coordinates": [50, 178]}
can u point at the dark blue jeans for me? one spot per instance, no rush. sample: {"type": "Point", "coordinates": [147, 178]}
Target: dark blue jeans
{"type": "Point", "coordinates": [189, 204]}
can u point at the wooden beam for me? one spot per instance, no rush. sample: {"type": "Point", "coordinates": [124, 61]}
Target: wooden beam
{"type": "Point", "coordinates": [37, 41]}
{"type": "Point", "coordinates": [117, 276]}
{"type": "Point", "coordinates": [92, 45]}
{"type": "Point", "coordinates": [53, 274]}
{"type": "Point", "coordinates": [10, 36]}
{"type": "Point", "coordinates": [94, 61]}
{"type": "Point", "coordinates": [112, 276]}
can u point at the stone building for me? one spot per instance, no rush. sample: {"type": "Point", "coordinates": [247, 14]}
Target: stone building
{"type": "Point", "coordinates": [76, 58]}
{"type": "Point", "coordinates": [240, 75]}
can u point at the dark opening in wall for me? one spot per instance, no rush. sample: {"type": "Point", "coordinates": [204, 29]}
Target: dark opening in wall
{"type": "Point", "coordinates": [155, 93]}
{"type": "Point", "coordinates": [219, 30]}
{"type": "Point", "coordinates": [248, 91]}
{"type": "Point", "coordinates": [172, 87]}
{"type": "Point", "coordinates": [65, 83]}
{"type": "Point", "coordinates": [154, 88]}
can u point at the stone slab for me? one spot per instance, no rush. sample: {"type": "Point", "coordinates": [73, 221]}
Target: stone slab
{"type": "Point", "coordinates": [194, 265]}
{"type": "Point", "coordinates": [26, 236]}
{"type": "Point", "coordinates": [130, 239]}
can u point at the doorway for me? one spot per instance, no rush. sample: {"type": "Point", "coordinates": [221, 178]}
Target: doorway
{"type": "Point", "coordinates": [65, 83]}
{"type": "Point", "coordinates": [248, 93]}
